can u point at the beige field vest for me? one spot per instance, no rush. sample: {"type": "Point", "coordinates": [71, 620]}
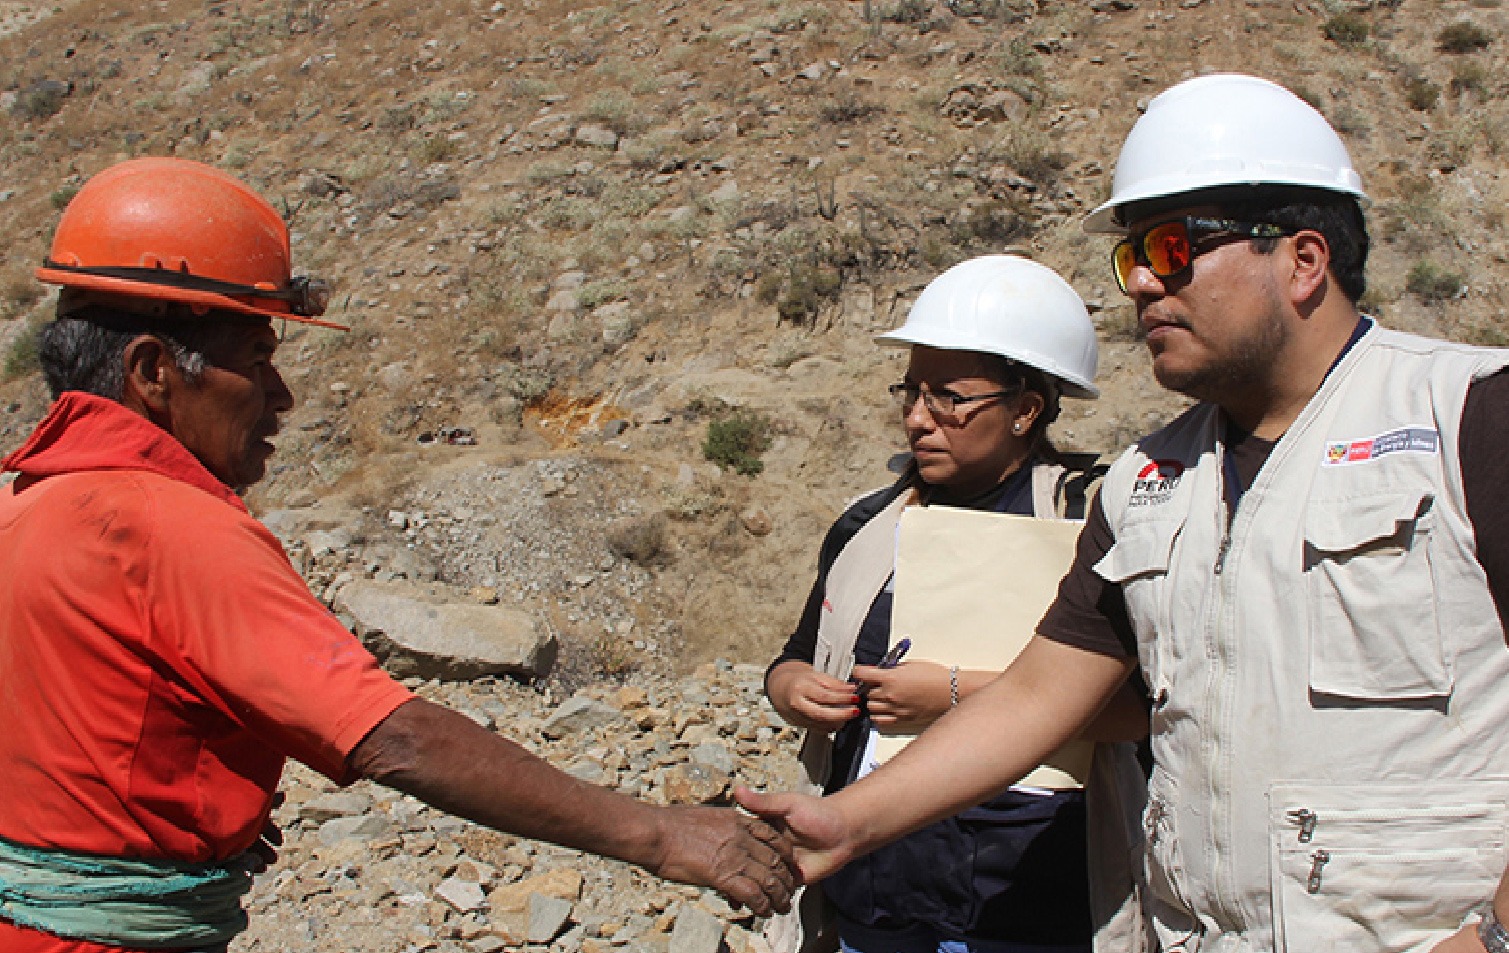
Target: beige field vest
{"type": "Point", "coordinates": [1329, 678]}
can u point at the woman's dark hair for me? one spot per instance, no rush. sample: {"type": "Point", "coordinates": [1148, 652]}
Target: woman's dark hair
{"type": "Point", "coordinates": [1013, 373]}
{"type": "Point", "coordinates": [1335, 215]}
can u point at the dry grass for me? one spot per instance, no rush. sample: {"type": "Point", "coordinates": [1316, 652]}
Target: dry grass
{"type": "Point", "coordinates": [454, 214]}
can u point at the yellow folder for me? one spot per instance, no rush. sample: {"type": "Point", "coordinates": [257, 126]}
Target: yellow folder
{"type": "Point", "coordinates": [970, 589]}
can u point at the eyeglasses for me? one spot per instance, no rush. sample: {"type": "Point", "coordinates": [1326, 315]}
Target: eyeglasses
{"type": "Point", "coordinates": [941, 404]}
{"type": "Point", "coordinates": [1168, 249]}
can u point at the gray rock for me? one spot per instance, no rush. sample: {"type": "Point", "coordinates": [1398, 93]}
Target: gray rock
{"type": "Point", "coordinates": [464, 895]}
{"type": "Point", "coordinates": [364, 827]}
{"type": "Point", "coordinates": [715, 755]}
{"type": "Point", "coordinates": [577, 714]}
{"type": "Point", "coordinates": [562, 300]}
{"type": "Point", "coordinates": [324, 541]}
{"type": "Point", "coordinates": [547, 915]}
{"type": "Point", "coordinates": [696, 931]}
{"type": "Point", "coordinates": [332, 804]}
{"type": "Point", "coordinates": [598, 136]}
{"type": "Point", "coordinates": [416, 634]}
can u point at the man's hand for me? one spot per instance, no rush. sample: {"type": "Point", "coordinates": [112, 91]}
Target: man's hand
{"type": "Point", "coordinates": [824, 841]}
{"type": "Point", "coordinates": [910, 696]}
{"type": "Point", "coordinates": [743, 858]}
{"type": "Point", "coordinates": [810, 699]}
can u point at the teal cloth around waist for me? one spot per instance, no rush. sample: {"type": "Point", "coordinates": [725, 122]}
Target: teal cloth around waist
{"type": "Point", "coordinates": [151, 904]}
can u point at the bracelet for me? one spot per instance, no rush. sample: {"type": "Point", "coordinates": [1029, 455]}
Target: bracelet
{"type": "Point", "coordinates": [1495, 938]}
{"type": "Point", "coordinates": [953, 701]}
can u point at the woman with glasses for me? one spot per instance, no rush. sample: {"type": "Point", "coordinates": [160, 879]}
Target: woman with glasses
{"type": "Point", "coordinates": [995, 343]}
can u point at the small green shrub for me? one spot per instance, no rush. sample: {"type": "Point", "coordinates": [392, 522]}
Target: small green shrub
{"type": "Point", "coordinates": [614, 109]}
{"type": "Point", "coordinates": [1421, 94]}
{"type": "Point", "coordinates": [1019, 58]}
{"type": "Point", "coordinates": [1469, 76]}
{"type": "Point", "coordinates": [1485, 337]}
{"type": "Point", "coordinates": [768, 287]}
{"type": "Point", "coordinates": [1347, 29]}
{"type": "Point", "coordinates": [41, 100]}
{"type": "Point", "coordinates": [1430, 282]}
{"type": "Point", "coordinates": [808, 288]}
{"type": "Point", "coordinates": [1463, 36]}
{"type": "Point", "coordinates": [907, 11]}
{"type": "Point", "coordinates": [1308, 95]}
{"type": "Point", "coordinates": [639, 539]}
{"type": "Point", "coordinates": [737, 440]}
{"type": "Point", "coordinates": [994, 224]}
{"type": "Point", "coordinates": [1011, 11]}
{"type": "Point", "coordinates": [594, 294]}
{"type": "Point", "coordinates": [21, 292]}
{"type": "Point", "coordinates": [23, 357]}
{"type": "Point", "coordinates": [63, 196]}
{"type": "Point", "coordinates": [1350, 121]}
{"type": "Point", "coordinates": [435, 149]}
{"type": "Point", "coordinates": [848, 109]}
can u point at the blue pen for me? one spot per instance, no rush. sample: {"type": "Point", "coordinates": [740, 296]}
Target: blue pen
{"type": "Point", "coordinates": [891, 660]}
{"type": "Point", "coordinates": [893, 657]}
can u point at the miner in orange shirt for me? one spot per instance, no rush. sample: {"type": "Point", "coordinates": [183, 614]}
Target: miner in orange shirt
{"type": "Point", "coordinates": [159, 656]}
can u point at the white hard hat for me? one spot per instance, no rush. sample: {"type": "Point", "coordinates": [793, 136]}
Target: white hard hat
{"type": "Point", "coordinates": [1012, 307]}
{"type": "Point", "coordinates": [1220, 130]}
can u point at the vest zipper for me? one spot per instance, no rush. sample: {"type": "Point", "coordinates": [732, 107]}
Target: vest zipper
{"type": "Point", "coordinates": [1221, 553]}
{"type": "Point", "coordinates": [1305, 819]}
{"type": "Point", "coordinates": [1318, 860]}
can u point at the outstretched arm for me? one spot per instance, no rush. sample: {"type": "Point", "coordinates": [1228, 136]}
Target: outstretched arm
{"type": "Point", "coordinates": [447, 760]}
{"type": "Point", "coordinates": [993, 738]}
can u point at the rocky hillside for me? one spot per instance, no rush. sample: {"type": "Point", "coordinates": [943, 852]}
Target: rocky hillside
{"type": "Point", "coordinates": [568, 237]}
{"type": "Point", "coordinates": [585, 246]}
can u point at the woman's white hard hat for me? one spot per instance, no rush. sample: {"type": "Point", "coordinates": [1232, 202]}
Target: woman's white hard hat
{"type": "Point", "coordinates": [1222, 130]}
{"type": "Point", "coordinates": [1011, 307]}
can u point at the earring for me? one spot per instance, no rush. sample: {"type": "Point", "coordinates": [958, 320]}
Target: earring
{"type": "Point", "coordinates": [1016, 428]}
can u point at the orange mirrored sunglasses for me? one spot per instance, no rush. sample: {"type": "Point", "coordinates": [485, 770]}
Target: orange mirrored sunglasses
{"type": "Point", "coordinates": [1169, 248]}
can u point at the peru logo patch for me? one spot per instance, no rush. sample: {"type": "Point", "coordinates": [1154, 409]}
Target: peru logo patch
{"type": "Point", "coordinates": [1369, 449]}
{"type": "Point", "coordinates": [1155, 482]}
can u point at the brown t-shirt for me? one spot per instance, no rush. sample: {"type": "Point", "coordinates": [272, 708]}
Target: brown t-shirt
{"type": "Point", "coordinates": [1091, 614]}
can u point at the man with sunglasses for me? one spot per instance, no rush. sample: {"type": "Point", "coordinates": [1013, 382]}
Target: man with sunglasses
{"type": "Point", "coordinates": [159, 656]}
{"type": "Point", "coordinates": [1307, 566]}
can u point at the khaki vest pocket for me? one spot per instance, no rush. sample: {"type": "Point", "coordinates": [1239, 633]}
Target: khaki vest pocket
{"type": "Point", "coordinates": [1374, 633]}
{"type": "Point", "coordinates": [1388, 867]}
{"type": "Point", "coordinates": [1139, 563]}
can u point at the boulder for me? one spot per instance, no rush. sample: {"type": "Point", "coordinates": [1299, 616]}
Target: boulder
{"type": "Point", "coordinates": [419, 633]}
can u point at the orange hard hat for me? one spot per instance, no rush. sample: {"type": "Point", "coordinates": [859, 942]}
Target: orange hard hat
{"type": "Point", "coordinates": [185, 232]}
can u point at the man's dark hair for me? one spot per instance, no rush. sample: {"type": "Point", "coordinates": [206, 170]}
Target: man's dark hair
{"type": "Point", "coordinates": [84, 348]}
{"type": "Point", "coordinates": [1336, 215]}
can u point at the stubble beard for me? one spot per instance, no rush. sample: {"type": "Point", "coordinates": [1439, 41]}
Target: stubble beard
{"type": "Point", "coordinates": [1247, 364]}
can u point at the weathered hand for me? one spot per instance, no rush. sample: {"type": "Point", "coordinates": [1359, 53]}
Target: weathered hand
{"type": "Point", "coordinates": [822, 836]}
{"type": "Point", "coordinates": [1464, 940]}
{"type": "Point", "coordinates": [911, 696]}
{"type": "Point", "coordinates": [745, 859]}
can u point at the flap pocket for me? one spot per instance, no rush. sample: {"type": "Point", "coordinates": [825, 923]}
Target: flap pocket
{"type": "Point", "coordinates": [1389, 867]}
{"type": "Point", "coordinates": [1141, 548]}
{"type": "Point", "coordinates": [1340, 526]}
{"type": "Point", "coordinates": [1374, 629]}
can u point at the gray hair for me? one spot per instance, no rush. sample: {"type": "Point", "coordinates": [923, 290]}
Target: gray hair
{"type": "Point", "coordinates": [85, 355]}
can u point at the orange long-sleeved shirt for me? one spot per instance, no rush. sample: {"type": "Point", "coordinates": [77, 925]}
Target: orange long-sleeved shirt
{"type": "Point", "coordinates": [159, 656]}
